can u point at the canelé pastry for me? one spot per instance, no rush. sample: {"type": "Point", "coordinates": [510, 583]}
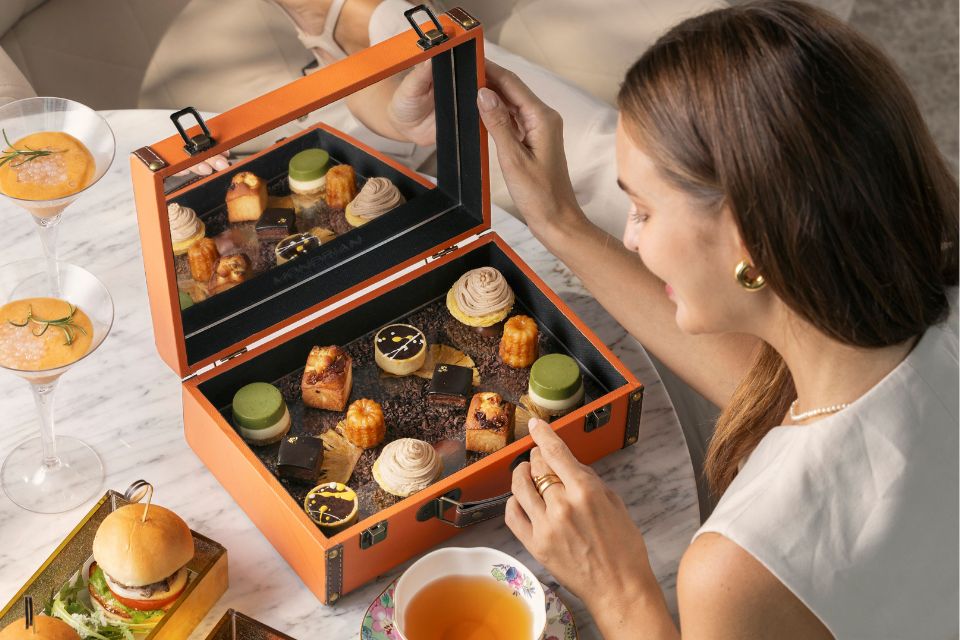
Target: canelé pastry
{"type": "Point", "coordinates": [260, 414]}
{"type": "Point", "coordinates": [333, 506]}
{"type": "Point", "coordinates": [307, 177]}
{"type": "Point", "coordinates": [364, 424]}
{"type": "Point", "coordinates": [246, 197]}
{"type": "Point", "coordinates": [406, 466]}
{"type": "Point", "coordinates": [300, 458]}
{"type": "Point", "coordinates": [377, 196]}
{"type": "Point", "coordinates": [229, 272]}
{"type": "Point", "coordinates": [327, 378]}
{"type": "Point", "coordinates": [450, 385]}
{"type": "Point", "coordinates": [480, 298]}
{"type": "Point", "coordinates": [556, 385]}
{"type": "Point", "coordinates": [322, 234]}
{"type": "Point", "coordinates": [292, 247]}
{"type": "Point", "coordinates": [185, 227]}
{"type": "Point", "coordinates": [275, 224]}
{"type": "Point", "coordinates": [518, 346]}
{"type": "Point", "coordinates": [400, 349]}
{"type": "Point", "coordinates": [489, 423]}
{"type": "Point", "coordinates": [341, 186]}
{"type": "Point", "coordinates": [202, 257]}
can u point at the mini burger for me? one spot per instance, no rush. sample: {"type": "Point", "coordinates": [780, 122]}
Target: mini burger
{"type": "Point", "coordinates": [43, 628]}
{"type": "Point", "coordinates": [139, 567]}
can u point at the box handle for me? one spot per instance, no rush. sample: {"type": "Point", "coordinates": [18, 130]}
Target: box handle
{"type": "Point", "coordinates": [432, 37]}
{"type": "Point", "coordinates": [196, 144]}
{"type": "Point", "coordinates": [466, 513]}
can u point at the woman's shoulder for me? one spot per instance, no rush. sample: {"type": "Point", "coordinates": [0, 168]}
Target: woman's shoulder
{"type": "Point", "coordinates": [860, 507]}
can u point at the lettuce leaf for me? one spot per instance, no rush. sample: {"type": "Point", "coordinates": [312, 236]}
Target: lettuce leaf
{"type": "Point", "coordinates": [99, 583]}
{"type": "Point", "coordinates": [68, 606]}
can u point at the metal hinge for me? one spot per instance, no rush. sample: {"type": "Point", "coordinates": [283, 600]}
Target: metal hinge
{"type": "Point", "coordinates": [430, 38]}
{"type": "Point", "coordinates": [235, 354]}
{"type": "Point", "coordinates": [443, 252]}
{"type": "Point", "coordinates": [462, 18]}
{"type": "Point", "coordinates": [374, 535]}
{"type": "Point", "coordinates": [217, 363]}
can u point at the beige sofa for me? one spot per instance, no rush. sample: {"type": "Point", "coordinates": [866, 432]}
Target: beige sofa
{"type": "Point", "coordinates": [214, 54]}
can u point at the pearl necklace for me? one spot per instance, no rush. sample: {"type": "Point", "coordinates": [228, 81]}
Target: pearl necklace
{"type": "Point", "coordinates": [800, 417]}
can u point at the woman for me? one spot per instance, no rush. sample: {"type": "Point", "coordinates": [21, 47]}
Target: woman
{"type": "Point", "coordinates": [785, 187]}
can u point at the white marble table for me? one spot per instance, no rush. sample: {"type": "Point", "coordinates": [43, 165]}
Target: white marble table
{"type": "Point", "coordinates": [125, 402]}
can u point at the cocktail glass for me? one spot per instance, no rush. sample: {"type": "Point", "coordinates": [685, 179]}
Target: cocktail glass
{"type": "Point", "coordinates": [50, 474]}
{"type": "Point", "coordinates": [32, 115]}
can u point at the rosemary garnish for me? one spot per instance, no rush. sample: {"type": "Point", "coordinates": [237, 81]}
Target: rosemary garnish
{"type": "Point", "coordinates": [11, 153]}
{"type": "Point", "coordinates": [65, 324]}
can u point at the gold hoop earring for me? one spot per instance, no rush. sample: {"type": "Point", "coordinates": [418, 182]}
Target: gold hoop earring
{"type": "Point", "coordinates": [745, 281]}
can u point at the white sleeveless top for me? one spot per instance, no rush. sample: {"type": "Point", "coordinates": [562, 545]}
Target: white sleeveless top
{"type": "Point", "coordinates": [857, 513]}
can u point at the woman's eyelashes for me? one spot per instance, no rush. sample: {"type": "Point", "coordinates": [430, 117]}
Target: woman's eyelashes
{"type": "Point", "coordinates": [638, 216]}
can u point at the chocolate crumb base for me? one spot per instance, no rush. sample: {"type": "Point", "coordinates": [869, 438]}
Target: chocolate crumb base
{"type": "Point", "coordinates": [407, 411]}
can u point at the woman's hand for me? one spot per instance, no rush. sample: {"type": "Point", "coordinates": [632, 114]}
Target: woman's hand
{"type": "Point", "coordinates": [580, 530]}
{"type": "Point", "coordinates": [218, 162]}
{"type": "Point", "coordinates": [529, 139]}
{"type": "Point", "coordinates": [410, 110]}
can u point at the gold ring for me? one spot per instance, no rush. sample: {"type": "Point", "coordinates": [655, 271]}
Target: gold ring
{"type": "Point", "coordinates": [542, 483]}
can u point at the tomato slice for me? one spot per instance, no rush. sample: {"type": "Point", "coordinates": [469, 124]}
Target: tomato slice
{"type": "Point", "coordinates": [142, 605]}
{"type": "Point", "coordinates": [146, 605]}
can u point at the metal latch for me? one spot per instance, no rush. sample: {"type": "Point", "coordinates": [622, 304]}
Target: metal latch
{"type": "Point", "coordinates": [596, 419]}
{"type": "Point", "coordinates": [431, 38]}
{"type": "Point", "coordinates": [198, 143]}
{"type": "Point", "coordinates": [375, 534]}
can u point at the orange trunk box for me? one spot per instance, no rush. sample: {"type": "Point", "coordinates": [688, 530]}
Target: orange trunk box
{"type": "Point", "coordinates": [396, 268]}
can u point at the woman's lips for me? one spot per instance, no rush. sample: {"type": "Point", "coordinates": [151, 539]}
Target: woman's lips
{"type": "Point", "coordinates": [669, 291]}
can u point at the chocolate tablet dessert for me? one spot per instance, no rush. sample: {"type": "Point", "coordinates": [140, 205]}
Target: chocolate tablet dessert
{"type": "Point", "coordinates": [450, 385]}
{"type": "Point", "coordinates": [275, 224]}
{"type": "Point", "coordinates": [300, 458]}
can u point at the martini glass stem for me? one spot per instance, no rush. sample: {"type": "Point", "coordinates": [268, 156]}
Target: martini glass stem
{"type": "Point", "coordinates": [47, 229]}
{"type": "Point", "coordinates": [43, 397]}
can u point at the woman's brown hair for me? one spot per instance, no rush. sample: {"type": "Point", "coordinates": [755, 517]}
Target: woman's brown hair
{"type": "Point", "coordinates": [809, 135]}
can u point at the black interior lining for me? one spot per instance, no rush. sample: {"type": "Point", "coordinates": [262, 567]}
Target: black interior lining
{"type": "Point", "coordinates": [429, 218]}
{"type": "Point", "coordinates": [291, 355]}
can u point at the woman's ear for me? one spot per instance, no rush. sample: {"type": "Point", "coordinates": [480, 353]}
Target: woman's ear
{"type": "Point", "coordinates": [730, 237]}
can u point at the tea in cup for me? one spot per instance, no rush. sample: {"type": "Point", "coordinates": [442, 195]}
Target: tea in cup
{"type": "Point", "coordinates": [469, 594]}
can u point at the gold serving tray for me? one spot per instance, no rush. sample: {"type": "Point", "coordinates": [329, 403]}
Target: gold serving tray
{"type": "Point", "coordinates": [237, 626]}
{"type": "Point", "coordinates": [208, 581]}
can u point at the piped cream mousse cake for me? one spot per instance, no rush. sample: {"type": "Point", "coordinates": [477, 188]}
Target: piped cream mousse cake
{"type": "Point", "coordinates": [260, 414]}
